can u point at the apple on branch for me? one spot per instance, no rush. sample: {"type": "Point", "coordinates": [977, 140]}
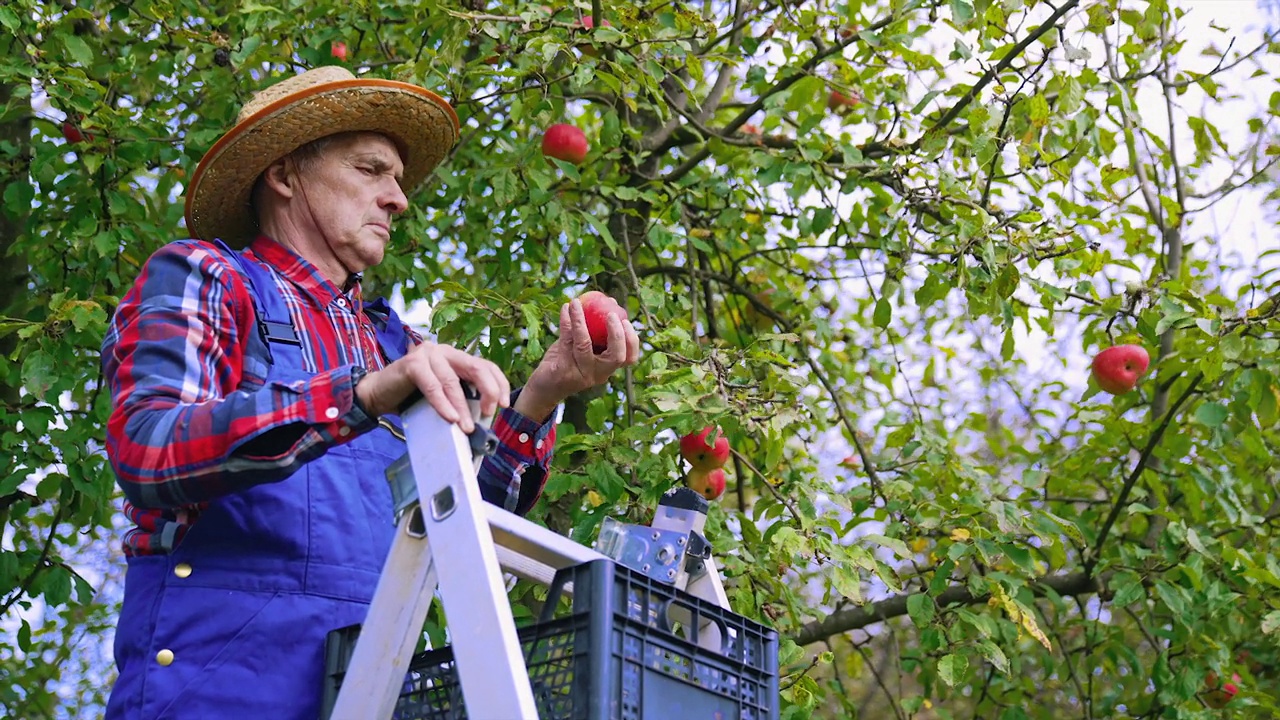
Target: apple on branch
{"type": "Point", "coordinates": [71, 133]}
{"type": "Point", "coordinates": [707, 483]}
{"type": "Point", "coordinates": [840, 102]}
{"type": "Point", "coordinates": [702, 454]}
{"type": "Point", "coordinates": [565, 142]}
{"type": "Point", "coordinates": [1118, 368]}
{"type": "Point", "coordinates": [589, 23]}
{"type": "Point", "coordinates": [1216, 694]}
{"type": "Point", "coordinates": [339, 50]}
{"type": "Point", "coordinates": [596, 308]}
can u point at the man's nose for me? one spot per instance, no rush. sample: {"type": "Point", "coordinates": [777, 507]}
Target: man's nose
{"type": "Point", "coordinates": [394, 200]}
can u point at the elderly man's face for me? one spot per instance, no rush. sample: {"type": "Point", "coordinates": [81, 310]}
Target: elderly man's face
{"type": "Point", "coordinates": [351, 193]}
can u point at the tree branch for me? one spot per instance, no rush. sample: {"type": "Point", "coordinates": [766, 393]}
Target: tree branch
{"type": "Point", "coordinates": [1078, 583]}
{"type": "Point", "coordinates": [1122, 499]}
{"type": "Point", "coordinates": [991, 74]}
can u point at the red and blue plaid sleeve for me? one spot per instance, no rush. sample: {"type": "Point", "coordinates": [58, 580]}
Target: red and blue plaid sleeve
{"type": "Point", "coordinates": [513, 477]}
{"type": "Point", "coordinates": [180, 432]}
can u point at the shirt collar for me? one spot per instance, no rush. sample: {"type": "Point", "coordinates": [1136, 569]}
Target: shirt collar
{"type": "Point", "coordinates": [306, 276]}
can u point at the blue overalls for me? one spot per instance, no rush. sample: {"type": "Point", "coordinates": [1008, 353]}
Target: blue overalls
{"type": "Point", "coordinates": [232, 623]}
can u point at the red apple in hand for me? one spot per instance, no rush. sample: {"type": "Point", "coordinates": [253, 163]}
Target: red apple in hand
{"type": "Point", "coordinates": [707, 483]}
{"type": "Point", "coordinates": [596, 308]}
{"type": "Point", "coordinates": [1118, 368]}
{"type": "Point", "coordinates": [702, 455]}
{"type": "Point", "coordinates": [565, 142]}
{"type": "Point", "coordinates": [1218, 695]}
{"type": "Point", "coordinates": [339, 50]}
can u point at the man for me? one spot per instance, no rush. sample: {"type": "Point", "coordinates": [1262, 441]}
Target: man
{"type": "Point", "coordinates": [254, 395]}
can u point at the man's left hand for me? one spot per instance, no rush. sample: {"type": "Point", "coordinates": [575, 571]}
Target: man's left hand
{"type": "Point", "coordinates": [571, 366]}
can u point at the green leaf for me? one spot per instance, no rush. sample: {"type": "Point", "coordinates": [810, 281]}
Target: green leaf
{"type": "Point", "coordinates": [994, 655]}
{"type": "Point", "coordinates": [807, 94]}
{"type": "Point", "coordinates": [962, 12]}
{"type": "Point", "coordinates": [602, 229]}
{"type": "Point", "coordinates": [847, 583]}
{"type": "Point", "coordinates": [920, 608]}
{"type": "Point", "coordinates": [788, 652]}
{"type": "Point", "coordinates": [952, 669]}
{"type": "Point", "coordinates": [78, 49]}
{"type": "Point", "coordinates": [1271, 622]}
{"type": "Point", "coordinates": [883, 313]}
{"type": "Point", "coordinates": [1211, 414]}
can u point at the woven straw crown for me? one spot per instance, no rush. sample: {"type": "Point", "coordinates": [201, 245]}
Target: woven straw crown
{"type": "Point", "coordinates": [296, 111]}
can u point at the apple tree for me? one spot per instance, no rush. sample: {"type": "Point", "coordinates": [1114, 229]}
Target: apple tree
{"type": "Point", "coordinates": [876, 242]}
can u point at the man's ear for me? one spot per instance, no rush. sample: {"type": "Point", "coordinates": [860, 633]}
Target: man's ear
{"type": "Point", "coordinates": [280, 177]}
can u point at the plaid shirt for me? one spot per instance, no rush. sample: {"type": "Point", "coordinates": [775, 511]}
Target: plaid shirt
{"type": "Point", "coordinates": [181, 433]}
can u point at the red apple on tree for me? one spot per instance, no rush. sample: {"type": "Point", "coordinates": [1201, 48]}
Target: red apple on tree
{"type": "Point", "coordinates": [1216, 694]}
{"type": "Point", "coordinates": [701, 454]}
{"type": "Point", "coordinates": [565, 142]}
{"type": "Point", "coordinates": [1118, 368]}
{"type": "Point", "coordinates": [589, 23]}
{"type": "Point", "coordinates": [71, 133]}
{"type": "Point", "coordinates": [839, 101]}
{"type": "Point", "coordinates": [596, 308]}
{"type": "Point", "coordinates": [339, 50]}
{"type": "Point", "coordinates": [707, 483]}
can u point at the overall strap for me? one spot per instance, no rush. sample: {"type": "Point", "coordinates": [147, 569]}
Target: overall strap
{"type": "Point", "coordinates": [275, 325]}
{"type": "Point", "coordinates": [391, 334]}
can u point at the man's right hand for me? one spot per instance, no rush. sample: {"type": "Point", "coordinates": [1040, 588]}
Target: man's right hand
{"type": "Point", "coordinates": [437, 371]}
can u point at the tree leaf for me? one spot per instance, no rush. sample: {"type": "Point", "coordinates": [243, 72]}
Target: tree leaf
{"type": "Point", "coordinates": [952, 669]}
{"type": "Point", "coordinates": [920, 608]}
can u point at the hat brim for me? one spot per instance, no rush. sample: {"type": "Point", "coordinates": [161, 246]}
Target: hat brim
{"type": "Point", "coordinates": [421, 124]}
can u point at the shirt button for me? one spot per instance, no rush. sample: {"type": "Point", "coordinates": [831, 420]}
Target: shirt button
{"type": "Point", "coordinates": [344, 431]}
{"type": "Point", "coordinates": [538, 444]}
{"type": "Point", "coordinates": [524, 437]}
{"type": "Point", "coordinates": [332, 413]}
{"type": "Point", "coordinates": [182, 570]}
{"type": "Point", "coordinates": [165, 657]}
{"type": "Point", "coordinates": [342, 302]}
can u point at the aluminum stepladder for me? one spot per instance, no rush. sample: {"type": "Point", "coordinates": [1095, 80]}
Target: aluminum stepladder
{"type": "Point", "coordinates": [448, 538]}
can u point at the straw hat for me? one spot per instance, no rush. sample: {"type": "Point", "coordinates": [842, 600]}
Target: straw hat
{"type": "Point", "coordinates": [292, 113]}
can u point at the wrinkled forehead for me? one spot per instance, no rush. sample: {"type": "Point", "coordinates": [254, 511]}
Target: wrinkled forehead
{"type": "Point", "coordinates": [364, 144]}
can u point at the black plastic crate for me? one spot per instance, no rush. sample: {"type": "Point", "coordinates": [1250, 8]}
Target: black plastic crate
{"type": "Point", "coordinates": [617, 655]}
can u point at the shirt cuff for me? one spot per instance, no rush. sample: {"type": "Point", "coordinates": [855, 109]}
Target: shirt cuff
{"type": "Point", "coordinates": [514, 476]}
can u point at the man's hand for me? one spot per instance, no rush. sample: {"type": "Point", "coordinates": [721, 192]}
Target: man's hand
{"type": "Point", "coordinates": [437, 371]}
{"type": "Point", "coordinates": [570, 366]}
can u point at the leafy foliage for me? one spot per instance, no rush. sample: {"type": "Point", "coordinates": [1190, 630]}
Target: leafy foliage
{"type": "Point", "coordinates": [911, 282]}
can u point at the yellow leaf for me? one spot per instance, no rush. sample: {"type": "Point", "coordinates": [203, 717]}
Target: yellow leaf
{"type": "Point", "coordinates": [919, 545]}
{"type": "Point", "coordinates": [1023, 616]}
{"type": "Point", "coordinates": [960, 535]}
{"type": "Point", "coordinates": [594, 499]}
